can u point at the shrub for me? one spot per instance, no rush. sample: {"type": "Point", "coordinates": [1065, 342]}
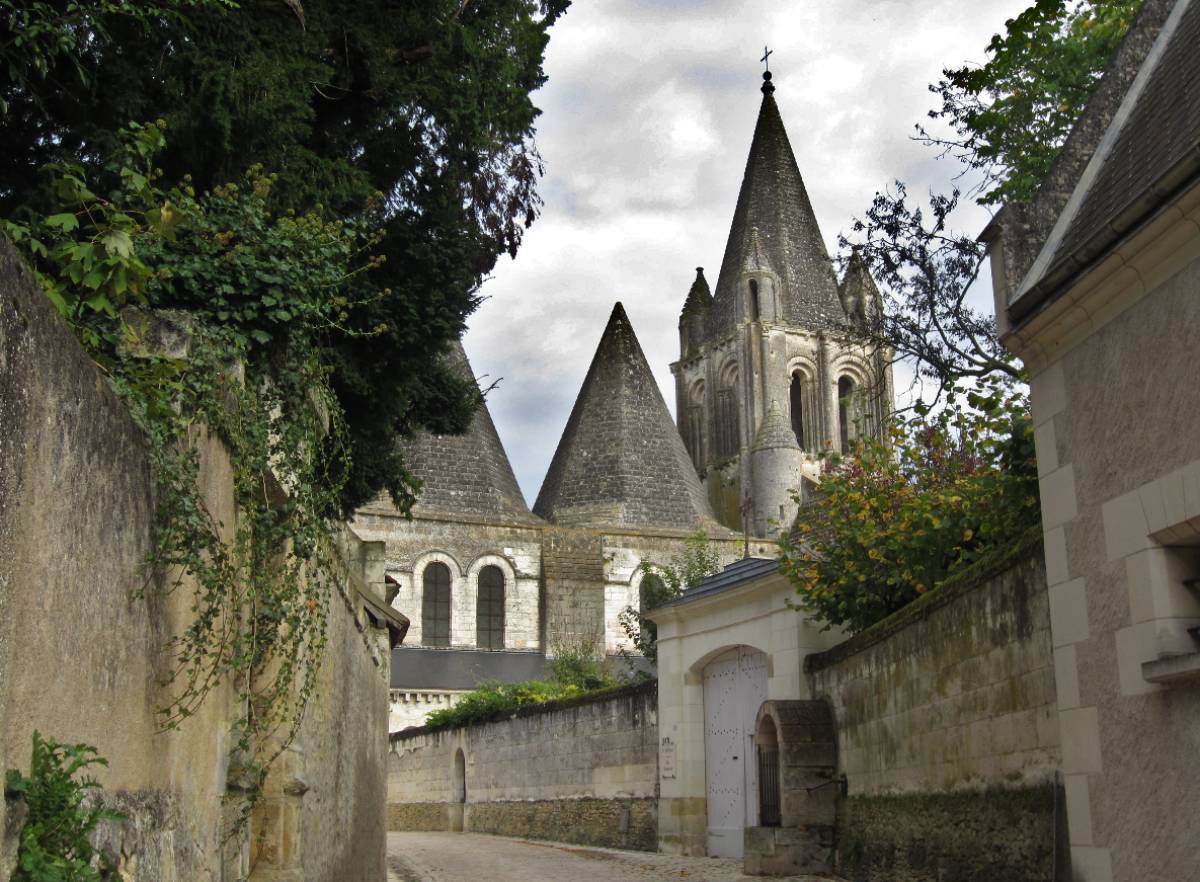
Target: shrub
{"type": "Point", "coordinates": [662, 583]}
{"type": "Point", "coordinates": [54, 844]}
{"type": "Point", "coordinates": [894, 520]}
{"type": "Point", "coordinates": [577, 670]}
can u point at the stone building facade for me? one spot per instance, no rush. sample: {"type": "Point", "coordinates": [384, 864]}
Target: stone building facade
{"type": "Point", "coordinates": [1097, 289]}
{"type": "Point", "coordinates": [774, 369]}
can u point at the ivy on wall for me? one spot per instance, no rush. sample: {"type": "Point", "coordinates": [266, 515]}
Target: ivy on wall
{"type": "Point", "coordinates": [206, 313]}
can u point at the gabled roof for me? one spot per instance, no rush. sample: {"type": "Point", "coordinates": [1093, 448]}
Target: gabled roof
{"type": "Point", "coordinates": [740, 572]}
{"type": "Point", "coordinates": [466, 475]}
{"type": "Point", "coordinates": [1023, 229]}
{"type": "Point", "coordinates": [1149, 153]}
{"type": "Point", "coordinates": [621, 461]}
{"type": "Point", "coordinates": [773, 208]}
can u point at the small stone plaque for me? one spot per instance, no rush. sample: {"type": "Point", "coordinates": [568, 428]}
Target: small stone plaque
{"type": "Point", "coordinates": [666, 758]}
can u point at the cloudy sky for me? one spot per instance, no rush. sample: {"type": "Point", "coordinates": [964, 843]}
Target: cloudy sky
{"type": "Point", "coordinates": [647, 120]}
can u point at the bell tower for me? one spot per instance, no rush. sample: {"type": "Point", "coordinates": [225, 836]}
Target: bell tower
{"type": "Point", "coordinates": [774, 368]}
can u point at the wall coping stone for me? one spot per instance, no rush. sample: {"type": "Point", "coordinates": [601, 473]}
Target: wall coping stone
{"type": "Point", "coordinates": [1027, 547]}
{"type": "Point", "coordinates": [648, 688]}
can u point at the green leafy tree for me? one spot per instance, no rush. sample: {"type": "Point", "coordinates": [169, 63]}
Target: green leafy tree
{"type": "Point", "coordinates": [54, 844]}
{"type": "Point", "coordinates": [426, 102]}
{"type": "Point", "coordinates": [897, 517]}
{"type": "Point", "coordinates": [1011, 115]}
{"type": "Point", "coordinates": [663, 582]}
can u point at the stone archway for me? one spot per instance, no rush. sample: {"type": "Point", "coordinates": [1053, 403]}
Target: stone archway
{"type": "Point", "coordinates": [798, 810]}
{"type": "Point", "coordinates": [458, 807]}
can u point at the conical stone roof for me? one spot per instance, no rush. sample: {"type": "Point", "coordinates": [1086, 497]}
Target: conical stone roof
{"type": "Point", "coordinates": [860, 296]}
{"type": "Point", "coordinates": [621, 462]}
{"type": "Point", "coordinates": [469, 475]}
{"type": "Point", "coordinates": [699, 297]}
{"type": "Point", "coordinates": [774, 202]}
{"type": "Point", "coordinates": [774, 432]}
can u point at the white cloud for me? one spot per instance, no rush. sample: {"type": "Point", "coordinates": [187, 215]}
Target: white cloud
{"type": "Point", "coordinates": [648, 116]}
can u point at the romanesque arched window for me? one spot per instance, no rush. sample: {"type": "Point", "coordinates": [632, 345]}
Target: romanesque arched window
{"type": "Point", "coordinates": [796, 400]}
{"type": "Point", "coordinates": [727, 424]}
{"type": "Point", "coordinates": [651, 593]}
{"type": "Point", "coordinates": [846, 411]}
{"type": "Point", "coordinates": [489, 609]}
{"type": "Point", "coordinates": [755, 310]}
{"type": "Point", "coordinates": [435, 605]}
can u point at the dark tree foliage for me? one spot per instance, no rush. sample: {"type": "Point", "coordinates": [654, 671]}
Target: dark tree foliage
{"type": "Point", "coordinates": [1011, 115]}
{"type": "Point", "coordinates": [1010, 118]}
{"type": "Point", "coordinates": [927, 271]}
{"type": "Point", "coordinates": [427, 102]}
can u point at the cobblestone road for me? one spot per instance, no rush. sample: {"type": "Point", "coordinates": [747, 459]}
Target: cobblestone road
{"type": "Point", "coordinates": [473, 857]}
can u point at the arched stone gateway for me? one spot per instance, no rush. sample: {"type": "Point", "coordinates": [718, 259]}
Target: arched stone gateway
{"type": "Point", "coordinates": [458, 808]}
{"type": "Point", "coordinates": [797, 790]}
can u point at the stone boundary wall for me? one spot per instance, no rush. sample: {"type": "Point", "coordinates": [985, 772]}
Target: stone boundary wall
{"type": "Point", "coordinates": [947, 732]}
{"type": "Point", "coordinates": [583, 771]}
{"type": "Point", "coordinates": [81, 644]}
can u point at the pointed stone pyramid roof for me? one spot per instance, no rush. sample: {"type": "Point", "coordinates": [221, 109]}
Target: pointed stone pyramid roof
{"type": "Point", "coordinates": [859, 294]}
{"type": "Point", "coordinates": [774, 202]}
{"type": "Point", "coordinates": [774, 432]}
{"type": "Point", "coordinates": [621, 462]}
{"type": "Point", "coordinates": [699, 297]}
{"type": "Point", "coordinates": [466, 475]}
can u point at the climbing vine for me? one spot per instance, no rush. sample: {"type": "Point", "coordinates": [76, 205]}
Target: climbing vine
{"type": "Point", "coordinates": [208, 313]}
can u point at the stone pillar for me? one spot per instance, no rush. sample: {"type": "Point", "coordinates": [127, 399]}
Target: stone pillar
{"type": "Point", "coordinates": [827, 388]}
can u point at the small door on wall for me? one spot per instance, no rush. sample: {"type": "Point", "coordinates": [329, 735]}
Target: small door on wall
{"type": "Point", "coordinates": [735, 686]}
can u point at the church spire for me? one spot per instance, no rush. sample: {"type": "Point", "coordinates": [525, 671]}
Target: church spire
{"type": "Point", "coordinates": [774, 224]}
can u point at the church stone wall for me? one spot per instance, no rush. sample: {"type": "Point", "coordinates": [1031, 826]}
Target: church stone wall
{"type": "Point", "coordinates": [81, 648]}
{"type": "Point", "coordinates": [583, 771]}
{"type": "Point", "coordinates": [623, 554]}
{"type": "Point", "coordinates": [465, 547]}
{"type": "Point", "coordinates": [948, 734]}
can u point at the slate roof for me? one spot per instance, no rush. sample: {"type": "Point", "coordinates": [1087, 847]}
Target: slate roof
{"type": "Point", "coordinates": [1148, 154]}
{"type": "Point", "coordinates": [620, 461]}
{"type": "Point", "coordinates": [737, 573]}
{"type": "Point", "coordinates": [774, 202]}
{"type": "Point", "coordinates": [466, 475]}
{"type": "Point", "coordinates": [421, 667]}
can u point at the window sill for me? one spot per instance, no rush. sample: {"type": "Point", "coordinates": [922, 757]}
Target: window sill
{"type": "Point", "coordinates": [1172, 669]}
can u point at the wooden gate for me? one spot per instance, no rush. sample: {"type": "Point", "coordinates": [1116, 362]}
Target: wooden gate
{"type": "Point", "coordinates": [735, 685]}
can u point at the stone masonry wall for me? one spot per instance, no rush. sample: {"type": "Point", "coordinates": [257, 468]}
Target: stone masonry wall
{"type": "Point", "coordinates": [573, 575]}
{"type": "Point", "coordinates": [465, 547]}
{"type": "Point", "coordinates": [584, 771]}
{"type": "Point", "coordinates": [946, 716]}
{"type": "Point", "coordinates": [81, 646]}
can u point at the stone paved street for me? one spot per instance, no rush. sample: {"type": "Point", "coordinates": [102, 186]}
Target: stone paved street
{"type": "Point", "coordinates": [470, 857]}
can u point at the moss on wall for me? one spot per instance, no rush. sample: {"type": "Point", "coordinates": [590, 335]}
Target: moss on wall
{"type": "Point", "coordinates": [988, 836]}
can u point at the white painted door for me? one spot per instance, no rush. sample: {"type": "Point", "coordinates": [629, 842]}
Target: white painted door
{"type": "Point", "coordinates": [735, 686]}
